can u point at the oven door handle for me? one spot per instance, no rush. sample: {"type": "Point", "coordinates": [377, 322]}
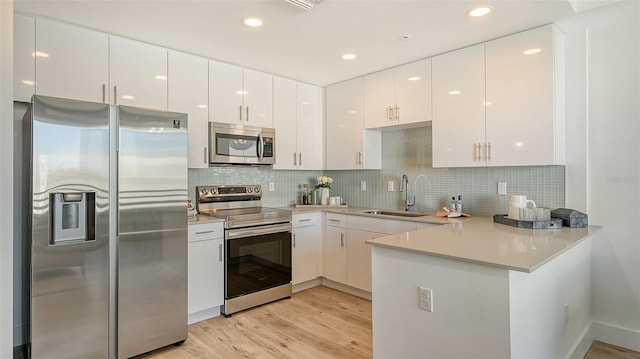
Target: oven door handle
{"type": "Point", "coordinates": [257, 231]}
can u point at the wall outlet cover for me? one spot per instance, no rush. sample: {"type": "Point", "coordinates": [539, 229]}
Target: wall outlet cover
{"type": "Point", "coordinates": [363, 185]}
{"type": "Point", "coordinates": [426, 299]}
{"type": "Point", "coordinates": [390, 186]}
{"type": "Point", "coordinates": [272, 186]}
{"type": "Point", "coordinates": [502, 188]}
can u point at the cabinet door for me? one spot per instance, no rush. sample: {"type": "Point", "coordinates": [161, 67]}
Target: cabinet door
{"type": "Point", "coordinates": [334, 254]}
{"type": "Point", "coordinates": [24, 64]}
{"type": "Point", "coordinates": [520, 80]}
{"type": "Point", "coordinates": [458, 107]}
{"type": "Point", "coordinates": [413, 92]}
{"type": "Point", "coordinates": [189, 93]}
{"type": "Point", "coordinates": [72, 62]}
{"type": "Point", "coordinates": [380, 99]}
{"type": "Point", "coordinates": [306, 253]}
{"type": "Point", "coordinates": [138, 74]}
{"type": "Point", "coordinates": [206, 275]}
{"type": "Point", "coordinates": [359, 258]}
{"type": "Point", "coordinates": [345, 125]}
{"type": "Point", "coordinates": [309, 127]}
{"type": "Point", "coordinates": [285, 123]}
{"type": "Point", "coordinates": [225, 93]}
{"type": "Point", "coordinates": [257, 89]}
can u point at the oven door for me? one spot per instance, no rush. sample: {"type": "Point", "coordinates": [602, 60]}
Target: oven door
{"type": "Point", "coordinates": [239, 144]}
{"type": "Point", "coordinates": [257, 258]}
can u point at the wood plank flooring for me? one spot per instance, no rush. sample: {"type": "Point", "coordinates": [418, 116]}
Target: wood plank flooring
{"type": "Point", "coordinates": [316, 323]}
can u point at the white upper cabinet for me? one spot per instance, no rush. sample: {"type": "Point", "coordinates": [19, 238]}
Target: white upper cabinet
{"type": "Point", "coordinates": [297, 118]}
{"type": "Point", "coordinates": [257, 90]}
{"type": "Point", "coordinates": [524, 97]}
{"type": "Point", "coordinates": [240, 96]}
{"type": "Point", "coordinates": [24, 64]}
{"type": "Point", "coordinates": [72, 62]}
{"type": "Point", "coordinates": [189, 93]}
{"type": "Point", "coordinates": [348, 145]}
{"type": "Point", "coordinates": [500, 103]}
{"type": "Point", "coordinates": [458, 107]}
{"type": "Point", "coordinates": [138, 75]}
{"type": "Point", "coordinates": [398, 96]}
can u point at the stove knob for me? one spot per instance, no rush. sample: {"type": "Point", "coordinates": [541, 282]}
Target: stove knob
{"type": "Point", "coordinates": [249, 189]}
{"type": "Point", "coordinates": [203, 191]}
{"type": "Point", "coordinates": [257, 189]}
{"type": "Point", "coordinates": [213, 191]}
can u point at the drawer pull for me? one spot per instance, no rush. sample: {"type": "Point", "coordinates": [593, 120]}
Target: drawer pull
{"type": "Point", "coordinates": [341, 239]}
{"type": "Point", "coordinates": [304, 220]}
{"type": "Point", "coordinates": [334, 220]}
{"type": "Point", "coordinates": [220, 252]}
{"type": "Point", "coordinates": [204, 232]}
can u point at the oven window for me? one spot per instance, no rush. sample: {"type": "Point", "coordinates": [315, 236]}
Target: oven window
{"type": "Point", "coordinates": [257, 263]}
{"type": "Point", "coordinates": [236, 145]}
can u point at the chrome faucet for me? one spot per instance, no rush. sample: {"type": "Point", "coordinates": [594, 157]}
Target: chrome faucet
{"type": "Point", "coordinates": [404, 186]}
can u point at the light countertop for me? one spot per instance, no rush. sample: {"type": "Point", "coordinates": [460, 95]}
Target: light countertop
{"type": "Point", "coordinates": [359, 211]}
{"type": "Point", "coordinates": [199, 218]}
{"type": "Point", "coordinates": [480, 240]}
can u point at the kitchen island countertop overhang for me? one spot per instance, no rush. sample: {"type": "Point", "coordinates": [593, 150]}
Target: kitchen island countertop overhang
{"type": "Point", "coordinates": [481, 241]}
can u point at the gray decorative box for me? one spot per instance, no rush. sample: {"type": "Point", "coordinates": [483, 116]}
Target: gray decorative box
{"type": "Point", "coordinates": [571, 217]}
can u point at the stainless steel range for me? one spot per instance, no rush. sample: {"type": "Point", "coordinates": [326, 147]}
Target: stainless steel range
{"type": "Point", "coordinates": [257, 245]}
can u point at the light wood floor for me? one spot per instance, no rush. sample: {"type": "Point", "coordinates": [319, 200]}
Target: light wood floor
{"type": "Point", "coordinates": [316, 323]}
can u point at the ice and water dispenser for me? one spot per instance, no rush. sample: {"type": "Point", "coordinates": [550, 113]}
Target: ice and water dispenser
{"type": "Point", "coordinates": [73, 217]}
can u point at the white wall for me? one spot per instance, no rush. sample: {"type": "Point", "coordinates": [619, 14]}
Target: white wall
{"type": "Point", "coordinates": [6, 178]}
{"type": "Point", "coordinates": [603, 164]}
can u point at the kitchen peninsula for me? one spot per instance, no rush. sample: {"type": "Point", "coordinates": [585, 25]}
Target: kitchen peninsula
{"type": "Point", "coordinates": [495, 291]}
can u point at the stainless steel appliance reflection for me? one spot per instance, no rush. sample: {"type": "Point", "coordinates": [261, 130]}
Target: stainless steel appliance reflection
{"type": "Point", "coordinates": [257, 245]}
{"type": "Point", "coordinates": [104, 214]}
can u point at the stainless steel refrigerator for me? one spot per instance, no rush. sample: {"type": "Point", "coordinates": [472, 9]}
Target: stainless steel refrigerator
{"type": "Point", "coordinates": [105, 229]}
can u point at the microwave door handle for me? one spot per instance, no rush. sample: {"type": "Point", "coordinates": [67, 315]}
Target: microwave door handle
{"type": "Point", "coordinates": [260, 147]}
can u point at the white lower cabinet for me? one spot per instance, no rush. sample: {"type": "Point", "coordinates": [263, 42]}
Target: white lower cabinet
{"type": "Point", "coordinates": [306, 247]}
{"type": "Point", "coordinates": [206, 269]}
{"type": "Point", "coordinates": [359, 258]}
{"type": "Point", "coordinates": [334, 250]}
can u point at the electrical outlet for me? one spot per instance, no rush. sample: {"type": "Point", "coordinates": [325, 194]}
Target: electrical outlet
{"type": "Point", "coordinates": [272, 186]}
{"type": "Point", "coordinates": [502, 188]}
{"type": "Point", "coordinates": [566, 314]}
{"type": "Point", "coordinates": [363, 185]}
{"type": "Point", "coordinates": [426, 299]}
{"type": "Point", "coordinates": [389, 186]}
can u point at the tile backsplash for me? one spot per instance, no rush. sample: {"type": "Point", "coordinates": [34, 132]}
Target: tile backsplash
{"type": "Point", "coordinates": [404, 151]}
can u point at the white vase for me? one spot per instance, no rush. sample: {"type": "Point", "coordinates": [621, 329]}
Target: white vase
{"type": "Point", "coordinates": [324, 196]}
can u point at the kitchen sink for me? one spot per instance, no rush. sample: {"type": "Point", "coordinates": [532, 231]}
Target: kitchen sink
{"type": "Point", "coordinates": [397, 214]}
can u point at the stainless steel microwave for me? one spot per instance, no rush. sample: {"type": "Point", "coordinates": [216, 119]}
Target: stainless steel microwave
{"type": "Point", "coordinates": [239, 144]}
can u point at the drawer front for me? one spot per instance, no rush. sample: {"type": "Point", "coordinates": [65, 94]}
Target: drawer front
{"type": "Point", "coordinates": [305, 219]}
{"type": "Point", "coordinates": [205, 231]}
{"type": "Point", "coordinates": [379, 225]}
{"type": "Point", "coordinates": [336, 220]}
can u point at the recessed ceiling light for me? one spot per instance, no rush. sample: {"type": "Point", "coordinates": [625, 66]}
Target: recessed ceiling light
{"type": "Point", "coordinates": [415, 78]}
{"type": "Point", "coordinates": [348, 56]}
{"type": "Point", "coordinates": [532, 51]}
{"type": "Point", "coordinates": [253, 22]}
{"type": "Point", "coordinates": [480, 11]}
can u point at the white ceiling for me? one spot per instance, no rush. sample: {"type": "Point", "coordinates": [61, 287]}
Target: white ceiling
{"type": "Point", "coordinates": [305, 45]}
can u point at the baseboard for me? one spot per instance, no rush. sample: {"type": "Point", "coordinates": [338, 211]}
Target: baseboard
{"type": "Point", "coordinates": [582, 344]}
{"type": "Point", "coordinates": [615, 335]}
{"type": "Point", "coordinates": [203, 315]}
{"type": "Point", "coordinates": [306, 285]}
{"type": "Point", "coordinates": [345, 288]}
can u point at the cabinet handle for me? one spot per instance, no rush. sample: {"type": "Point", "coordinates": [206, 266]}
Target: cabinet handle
{"type": "Point", "coordinates": [247, 114]}
{"type": "Point", "coordinates": [295, 163]}
{"type": "Point", "coordinates": [397, 116]}
{"type": "Point", "coordinates": [341, 239]}
{"type": "Point", "coordinates": [300, 158]}
{"type": "Point", "coordinates": [115, 95]}
{"type": "Point", "coordinates": [487, 151]}
{"type": "Point", "coordinates": [240, 108]}
{"type": "Point", "coordinates": [203, 232]}
{"type": "Point", "coordinates": [308, 219]}
{"type": "Point", "coordinates": [220, 252]}
{"type": "Point", "coordinates": [359, 158]}
{"type": "Point", "coordinates": [333, 220]}
{"type": "Point", "coordinates": [389, 114]}
{"type": "Point", "coordinates": [477, 148]}
{"type": "Point", "coordinates": [104, 93]}
{"type": "Point", "coordinates": [205, 155]}
{"type": "Point", "coordinates": [294, 240]}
